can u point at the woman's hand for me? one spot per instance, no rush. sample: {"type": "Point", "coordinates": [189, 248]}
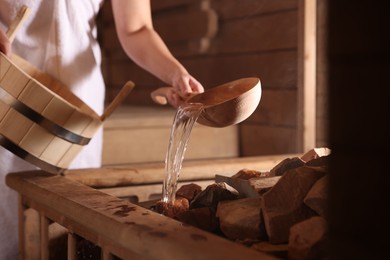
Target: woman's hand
{"type": "Point", "coordinates": [183, 86]}
{"type": "Point", "coordinates": [5, 44]}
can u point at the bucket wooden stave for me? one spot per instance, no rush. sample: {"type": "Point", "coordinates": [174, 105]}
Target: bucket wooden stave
{"type": "Point", "coordinates": [41, 120]}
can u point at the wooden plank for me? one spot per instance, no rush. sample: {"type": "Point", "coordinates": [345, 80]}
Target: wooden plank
{"type": "Point", "coordinates": [110, 41]}
{"type": "Point", "coordinates": [68, 157]}
{"type": "Point", "coordinates": [35, 97]}
{"type": "Point", "coordinates": [105, 16]}
{"type": "Point", "coordinates": [14, 81]}
{"type": "Point", "coordinates": [147, 192]}
{"type": "Point", "coordinates": [55, 150]}
{"type": "Point", "coordinates": [44, 243]}
{"type": "Point", "coordinates": [275, 69]}
{"type": "Point", "coordinates": [263, 33]}
{"type": "Point", "coordinates": [323, 106]}
{"type": "Point", "coordinates": [207, 142]}
{"type": "Point", "coordinates": [110, 220]}
{"type": "Point", "coordinates": [141, 134]}
{"type": "Point", "coordinates": [277, 107]}
{"type": "Point", "coordinates": [141, 145]}
{"type": "Point", "coordinates": [138, 75]}
{"type": "Point", "coordinates": [153, 172]}
{"type": "Point", "coordinates": [4, 65]}
{"type": "Point", "coordinates": [309, 74]}
{"type": "Point", "coordinates": [167, 4]}
{"type": "Point", "coordinates": [31, 237]}
{"type": "Point", "coordinates": [51, 83]}
{"type": "Point", "coordinates": [3, 110]}
{"type": "Point", "coordinates": [263, 139]}
{"type": "Point", "coordinates": [77, 122]}
{"type": "Point", "coordinates": [21, 228]}
{"type": "Point", "coordinates": [231, 9]}
{"type": "Point", "coordinates": [72, 251]}
{"type": "Point", "coordinates": [140, 117]}
{"type": "Point", "coordinates": [181, 26]}
{"type": "Point", "coordinates": [150, 144]}
{"type": "Point", "coordinates": [15, 126]}
{"type": "Point", "coordinates": [58, 111]}
{"type": "Point", "coordinates": [36, 140]}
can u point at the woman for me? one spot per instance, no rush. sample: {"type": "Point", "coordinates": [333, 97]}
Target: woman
{"type": "Point", "coordinates": [59, 37]}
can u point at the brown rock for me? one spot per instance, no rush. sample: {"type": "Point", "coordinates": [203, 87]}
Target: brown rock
{"type": "Point", "coordinates": [246, 174]}
{"type": "Point", "coordinates": [263, 184]}
{"type": "Point", "coordinates": [180, 205]}
{"type": "Point", "coordinates": [212, 195]}
{"type": "Point", "coordinates": [203, 218]}
{"type": "Point", "coordinates": [240, 219]}
{"type": "Point", "coordinates": [315, 153]}
{"type": "Point", "coordinates": [189, 191]}
{"type": "Point", "coordinates": [283, 205]}
{"type": "Point", "coordinates": [285, 165]}
{"type": "Point", "coordinates": [319, 162]}
{"type": "Point", "coordinates": [308, 239]}
{"type": "Point", "coordinates": [251, 188]}
{"type": "Point", "coordinates": [317, 197]}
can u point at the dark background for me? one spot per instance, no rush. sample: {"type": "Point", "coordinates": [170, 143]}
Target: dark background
{"type": "Point", "coordinates": [359, 70]}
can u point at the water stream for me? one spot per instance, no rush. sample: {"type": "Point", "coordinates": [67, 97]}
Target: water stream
{"type": "Point", "coordinates": [181, 129]}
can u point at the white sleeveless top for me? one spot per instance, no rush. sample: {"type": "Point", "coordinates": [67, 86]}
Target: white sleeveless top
{"type": "Point", "coordinates": [59, 37]}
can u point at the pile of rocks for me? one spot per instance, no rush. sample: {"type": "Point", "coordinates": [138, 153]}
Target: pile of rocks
{"type": "Point", "coordinates": [282, 211]}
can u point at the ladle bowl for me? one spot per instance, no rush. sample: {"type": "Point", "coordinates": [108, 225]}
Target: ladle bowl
{"type": "Point", "coordinates": [226, 104]}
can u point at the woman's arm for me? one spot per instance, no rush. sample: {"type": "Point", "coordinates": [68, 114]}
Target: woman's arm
{"type": "Point", "coordinates": [145, 47]}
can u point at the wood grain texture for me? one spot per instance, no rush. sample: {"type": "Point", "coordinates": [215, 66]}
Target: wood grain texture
{"type": "Point", "coordinates": [111, 222]}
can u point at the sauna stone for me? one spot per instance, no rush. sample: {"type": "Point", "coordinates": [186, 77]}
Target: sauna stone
{"type": "Point", "coordinates": [283, 205]}
{"type": "Point", "coordinates": [179, 206]}
{"type": "Point", "coordinates": [285, 165]}
{"type": "Point", "coordinates": [317, 197]}
{"type": "Point", "coordinates": [212, 195]}
{"type": "Point", "coordinates": [315, 153]}
{"type": "Point", "coordinates": [246, 174]}
{"type": "Point", "coordinates": [263, 184]}
{"type": "Point", "coordinates": [189, 191]}
{"type": "Point", "coordinates": [308, 239]}
{"type": "Point", "coordinates": [240, 219]}
{"type": "Point", "coordinates": [319, 162]}
{"type": "Point", "coordinates": [203, 218]}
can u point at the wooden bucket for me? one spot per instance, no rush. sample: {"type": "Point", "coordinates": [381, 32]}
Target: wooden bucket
{"type": "Point", "coordinates": [41, 120]}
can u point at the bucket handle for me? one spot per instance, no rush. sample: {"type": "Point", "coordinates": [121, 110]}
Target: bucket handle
{"type": "Point", "coordinates": [22, 15]}
{"type": "Point", "coordinates": [117, 100]}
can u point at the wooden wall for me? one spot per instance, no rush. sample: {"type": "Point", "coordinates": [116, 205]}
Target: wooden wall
{"type": "Point", "coordinates": [219, 41]}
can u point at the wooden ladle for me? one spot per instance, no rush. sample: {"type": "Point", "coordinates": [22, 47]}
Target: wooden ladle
{"type": "Point", "coordinates": [224, 105]}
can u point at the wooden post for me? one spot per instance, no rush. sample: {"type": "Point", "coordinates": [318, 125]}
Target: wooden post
{"type": "Point", "coordinates": [21, 229]}
{"type": "Point", "coordinates": [307, 82]}
{"type": "Point", "coordinates": [44, 227]}
{"type": "Point", "coordinates": [71, 246]}
{"type": "Point", "coordinates": [106, 255]}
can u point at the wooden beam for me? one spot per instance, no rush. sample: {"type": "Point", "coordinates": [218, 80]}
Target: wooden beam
{"type": "Point", "coordinates": [130, 229]}
{"type": "Point", "coordinates": [307, 73]}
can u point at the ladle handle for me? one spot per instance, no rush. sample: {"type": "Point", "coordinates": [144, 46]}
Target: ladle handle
{"type": "Point", "coordinates": [159, 95]}
{"type": "Point", "coordinates": [22, 15]}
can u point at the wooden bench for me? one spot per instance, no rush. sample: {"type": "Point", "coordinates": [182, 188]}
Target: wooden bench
{"type": "Point", "coordinates": [81, 203]}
